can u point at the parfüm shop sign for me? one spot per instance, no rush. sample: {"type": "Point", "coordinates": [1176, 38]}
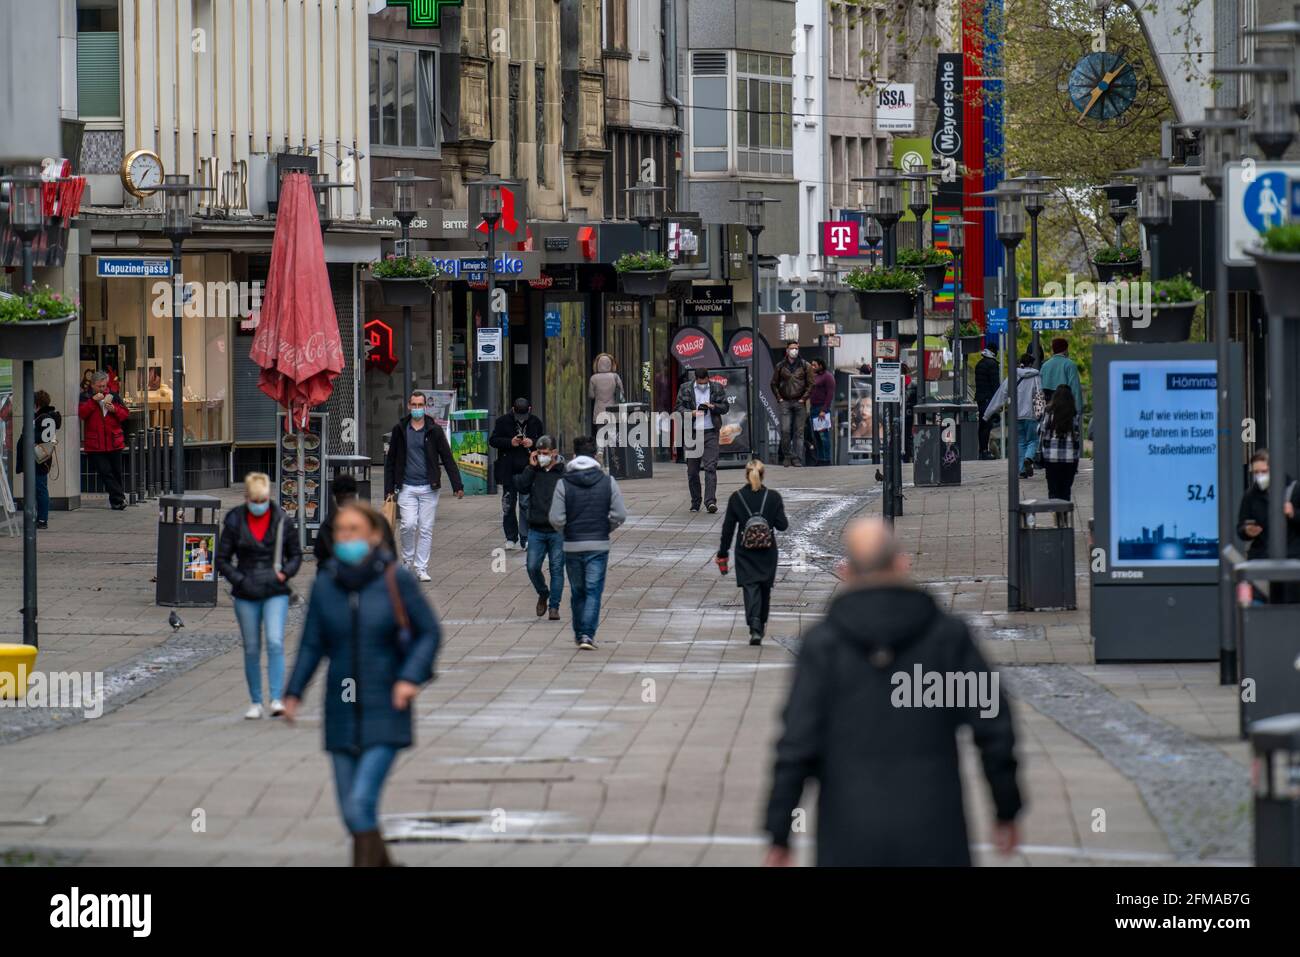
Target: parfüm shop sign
{"type": "Point", "coordinates": [896, 108]}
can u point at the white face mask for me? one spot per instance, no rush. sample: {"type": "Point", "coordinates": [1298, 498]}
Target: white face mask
{"type": "Point", "coordinates": [792, 353]}
{"type": "Point", "coordinates": [544, 460]}
{"type": "Point", "coordinates": [1261, 479]}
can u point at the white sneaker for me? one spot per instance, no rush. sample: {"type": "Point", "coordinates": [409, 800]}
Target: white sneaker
{"type": "Point", "coordinates": [423, 576]}
{"type": "Point", "coordinates": [277, 708]}
{"type": "Point", "coordinates": [512, 546]}
{"type": "Point", "coordinates": [254, 712]}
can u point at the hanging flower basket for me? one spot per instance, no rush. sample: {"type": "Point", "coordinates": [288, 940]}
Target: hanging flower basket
{"type": "Point", "coordinates": [1113, 271]}
{"type": "Point", "coordinates": [405, 292]}
{"type": "Point", "coordinates": [1171, 322]}
{"type": "Point", "coordinates": [34, 325]}
{"type": "Point", "coordinates": [886, 305]}
{"type": "Point", "coordinates": [1279, 281]}
{"type": "Point", "coordinates": [933, 275]}
{"type": "Point", "coordinates": [645, 282]}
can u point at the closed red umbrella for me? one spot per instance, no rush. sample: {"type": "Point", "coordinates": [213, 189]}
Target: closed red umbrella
{"type": "Point", "coordinates": [297, 342]}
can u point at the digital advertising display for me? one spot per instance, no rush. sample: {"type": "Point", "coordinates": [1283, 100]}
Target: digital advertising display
{"type": "Point", "coordinates": [1163, 463]}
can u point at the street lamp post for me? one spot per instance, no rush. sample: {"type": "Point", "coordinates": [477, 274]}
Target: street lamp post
{"type": "Point", "coordinates": [178, 223]}
{"type": "Point", "coordinates": [491, 214]}
{"type": "Point", "coordinates": [1221, 144]}
{"type": "Point", "coordinates": [755, 202]}
{"type": "Point", "coordinates": [1035, 195]}
{"type": "Point", "coordinates": [1154, 204]}
{"type": "Point", "coordinates": [26, 217]}
{"type": "Point", "coordinates": [403, 182]}
{"type": "Point", "coordinates": [918, 202]}
{"type": "Point", "coordinates": [874, 236]}
{"type": "Point", "coordinates": [961, 313]}
{"type": "Point", "coordinates": [1120, 198]}
{"type": "Point", "coordinates": [643, 211]}
{"type": "Point", "coordinates": [1011, 215]}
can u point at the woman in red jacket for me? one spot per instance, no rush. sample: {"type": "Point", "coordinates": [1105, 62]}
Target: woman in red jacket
{"type": "Point", "coordinates": [102, 413]}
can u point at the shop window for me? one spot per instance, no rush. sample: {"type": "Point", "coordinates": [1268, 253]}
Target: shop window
{"type": "Point", "coordinates": [403, 98]}
{"type": "Point", "coordinates": [99, 63]}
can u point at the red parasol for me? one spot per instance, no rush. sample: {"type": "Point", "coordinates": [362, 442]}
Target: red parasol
{"type": "Point", "coordinates": [297, 342]}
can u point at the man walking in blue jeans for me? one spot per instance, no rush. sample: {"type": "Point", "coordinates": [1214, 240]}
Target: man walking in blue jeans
{"type": "Point", "coordinates": [587, 506]}
{"type": "Point", "coordinates": [537, 484]}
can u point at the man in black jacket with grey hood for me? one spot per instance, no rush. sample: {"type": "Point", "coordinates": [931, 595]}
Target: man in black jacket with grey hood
{"type": "Point", "coordinates": [880, 690]}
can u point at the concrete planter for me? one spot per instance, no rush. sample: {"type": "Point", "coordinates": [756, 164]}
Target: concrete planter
{"type": "Point", "coordinates": [1169, 323]}
{"type": "Point", "coordinates": [645, 282]}
{"type": "Point", "coordinates": [405, 292]}
{"type": "Point", "coordinates": [43, 339]}
{"type": "Point", "coordinates": [1279, 281]}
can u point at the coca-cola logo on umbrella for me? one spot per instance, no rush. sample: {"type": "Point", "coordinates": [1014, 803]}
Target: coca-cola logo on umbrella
{"type": "Point", "coordinates": [742, 348]}
{"type": "Point", "coordinates": [690, 346]}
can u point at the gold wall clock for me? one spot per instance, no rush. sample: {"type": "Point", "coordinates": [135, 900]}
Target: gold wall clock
{"type": "Point", "coordinates": [142, 173]}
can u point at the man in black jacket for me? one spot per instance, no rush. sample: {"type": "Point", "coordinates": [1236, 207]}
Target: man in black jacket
{"type": "Point", "coordinates": [702, 403]}
{"type": "Point", "coordinates": [415, 448]}
{"type": "Point", "coordinates": [792, 381]}
{"type": "Point", "coordinates": [536, 484]}
{"type": "Point", "coordinates": [987, 381]}
{"type": "Point", "coordinates": [514, 436]}
{"type": "Point", "coordinates": [880, 689]}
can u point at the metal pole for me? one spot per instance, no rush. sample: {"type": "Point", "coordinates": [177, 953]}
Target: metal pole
{"type": "Point", "coordinates": [1222, 352]}
{"type": "Point", "coordinates": [178, 373]}
{"type": "Point", "coordinates": [408, 375]}
{"type": "Point", "coordinates": [493, 376]}
{"type": "Point", "coordinates": [1277, 523]}
{"type": "Point", "coordinates": [143, 351]}
{"type": "Point", "coordinates": [758, 445]}
{"type": "Point", "coordinates": [30, 636]}
{"type": "Point", "coordinates": [646, 306]}
{"type": "Point", "coordinates": [1013, 461]}
{"type": "Point", "coordinates": [894, 448]}
{"type": "Point", "coordinates": [1036, 348]}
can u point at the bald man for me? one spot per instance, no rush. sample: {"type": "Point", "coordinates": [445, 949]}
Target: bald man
{"type": "Point", "coordinates": [880, 689]}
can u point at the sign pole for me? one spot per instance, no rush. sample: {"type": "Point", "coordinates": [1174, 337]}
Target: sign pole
{"type": "Point", "coordinates": [1227, 611]}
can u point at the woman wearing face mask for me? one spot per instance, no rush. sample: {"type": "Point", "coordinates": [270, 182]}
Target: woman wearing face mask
{"type": "Point", "coordinates": [258, 554]}
{"type": "Point", "coordinates": [368, 617]}
{"type": "Point", "coordinates": [1252, 520]}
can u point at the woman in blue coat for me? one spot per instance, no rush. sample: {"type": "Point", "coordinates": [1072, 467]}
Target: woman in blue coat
{"type": "Point", "coordinates": [368, 618]}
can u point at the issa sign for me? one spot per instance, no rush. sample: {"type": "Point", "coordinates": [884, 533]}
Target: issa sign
{"type": "Point", "coordinates": [896, 108]}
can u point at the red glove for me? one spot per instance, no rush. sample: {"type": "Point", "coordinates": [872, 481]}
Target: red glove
{"type": "Point", "coordinates": [722, 563]}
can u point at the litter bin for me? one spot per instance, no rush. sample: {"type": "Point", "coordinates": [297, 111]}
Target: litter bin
{"type": "Point", "coordinates": [1046, 530]}
{"type": "Point", "coordinates": [1269, 637]}
{"type": "Point", "coordinates": [187, 551]}
{"type": "Point", "coordinates": [968, 432]}
{"type": "Point", "coordinates": [632, 461]}
{"type": "Point", "coordinates": [469, 447]}
{"type": "Point", "coordinates": [937, 452]}
{"type": "Point", "coordinates": [1275, 743]}
{"type": "Point", "coordinates": [358, 466]}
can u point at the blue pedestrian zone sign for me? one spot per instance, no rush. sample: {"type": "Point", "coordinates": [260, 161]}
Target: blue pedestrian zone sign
{"type": "Point", "coordinates": [995, 321]}
{"type": "Point", "coordinates": [1257, 195]}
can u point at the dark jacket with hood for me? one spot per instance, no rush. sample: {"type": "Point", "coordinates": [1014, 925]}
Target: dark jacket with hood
{"type": "Point", "coordinates": [792, 383]}
{"type": "Point", "coordinates": [753, 565]}
{"type": "Point", "coordinates": [352, 622]}
{"type": "Point", "coordinates": [44, 415]}
{"type": "Point", "coordinates": [539, 485]}
{"type": "Point", "coordinates": [587, 506]}
{"type": "Point", "coordinates": [436, 449]}
{"type": "Point", "coordinates": [513, 459]}
{"type": "Point", "coordinates": [1254, 508]}
{"type": "Point", "coordinates": [986, 379]}
{"type": "Point", "coordinates": [249, 565]}
{"type": "Point", "coordinates": [890, 786]}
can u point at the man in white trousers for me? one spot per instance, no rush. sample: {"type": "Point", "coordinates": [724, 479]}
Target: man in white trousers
{"type": "Point", "coordinates": [416, 448]}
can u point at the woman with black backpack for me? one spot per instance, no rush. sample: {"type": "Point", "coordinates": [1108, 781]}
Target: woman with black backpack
{"type": "Point", "coordinates": [754, 514]}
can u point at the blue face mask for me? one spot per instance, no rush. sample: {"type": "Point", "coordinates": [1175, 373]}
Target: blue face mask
{"type": "Point", "coordinates": [417, 413]}
{"type": "Point", "coordinates": [258, 508]}
{"type": "Point", "coordinates": [353, 552]}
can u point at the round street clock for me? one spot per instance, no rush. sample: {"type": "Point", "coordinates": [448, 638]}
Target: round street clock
{"type": "Point", "coordinates": [1103, 86]}
{"type": "Point", "coordinates": [142, 173]}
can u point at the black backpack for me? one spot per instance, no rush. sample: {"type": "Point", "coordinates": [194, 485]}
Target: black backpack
{"type": "Point", "coordinates": [756, 534]}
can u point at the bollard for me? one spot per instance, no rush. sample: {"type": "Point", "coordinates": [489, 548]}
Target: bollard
{"type": "Point", "coordinates": [1275, 774]}
{"type": "Point", "coordinates": [128, 478]}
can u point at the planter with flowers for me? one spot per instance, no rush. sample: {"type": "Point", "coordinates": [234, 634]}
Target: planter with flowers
{"type": "Point", "coordinates": [1277, 263]}
{"type": "Point", "coordinates": [1173, 307]}
{"type": "Point", "coordinates": [35, 325]}
{"type": "Point", "coordinates": [405, 280]}
{"type": "Point", "coordinates": [644, 273]}
{"type": "Point", "coordinates": [885, 294]}
{"type": "Point", "coordinates": [1117, 262]}
{"type": "Point", "coordinates": [970, 336]}
{"type": "Point", "coordinates": [932, 264]}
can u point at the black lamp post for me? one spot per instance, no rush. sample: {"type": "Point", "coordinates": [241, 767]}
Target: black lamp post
{"type": "Point", "coordinates": [918, 202]}
{"type": "Point", "coordinates": [404, 183]}
{"type": "Point", "coordinates": [1221, 135]}
{"type": "Point", "coordinates": [961, 313]}
{"type": "Point", "coordinates": [755, 202]}
{"type": "Point", "coordinates": [873, 234]}
{"type": "Point", "coordinates": [178, 223]}
{"type": "Point", "coordinates": [26, 217]}
{"type": "Point", "coordinates": [1155, 208]}
{"type": "Point", "coordinates": [320, 187]}
{"type": "Point", "coordinates": [1011, 215]}
{"type": "Point", "coordinates": [1035, 194]}
{"type": "Point", "coordinates": [490, 212]}
{"type": "Point", "coordinates": [643, 204]}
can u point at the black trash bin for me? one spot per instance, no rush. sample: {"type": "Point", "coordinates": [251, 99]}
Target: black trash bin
{"type": "Point", "coordinates": [1275, 743]}
{"type": "Point", "coordinates": [968, 432]}
{"type": "Point", "coordinates": [1046, 530]}
{"type": "Point", "coordinates": [1269, 637]}
{"type": "Point", "coordinates": [633, 461]}
{"type": "Point", "coordinates": [937, 448]}
{"type": "Point", "coordinates": [358, 466]}
{"type": "Point", "coordinates": [187, 551]}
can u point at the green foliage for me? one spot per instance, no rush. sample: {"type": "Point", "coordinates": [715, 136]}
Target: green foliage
{"type": "Point", "coordinates": [896, 279]}
{"type": "Point", "coordinates": [38, 305]}
{"type": "Point", "coordinates": [969, 328]}
{"type": "Point", "coordinates": [404, 267]}
{"type": "Point", "coordinates": [1178, 288]}
{"type": "Point", "coordinates": [929, 256]}
{"type": "Point", "coordinates": [1283, 239]}
{"type": "Point", "coordinates": [642, 262]}
{"type": "Point", "coordinates": [1117, 254]}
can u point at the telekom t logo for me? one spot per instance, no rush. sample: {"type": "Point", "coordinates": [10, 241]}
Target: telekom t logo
{"type": "Point", "coordinates": [840, 238]}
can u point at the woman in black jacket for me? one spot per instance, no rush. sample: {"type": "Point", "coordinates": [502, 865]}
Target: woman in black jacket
{"type": "Point", "coordinates": [48, 421]}
{"type": "Point", "coordinates": [755, 566]}
{"type": "Point", "coordinates": [258, 554]}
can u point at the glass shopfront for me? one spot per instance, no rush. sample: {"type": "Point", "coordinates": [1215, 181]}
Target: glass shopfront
{"type": "Point", "coordinates": [127, 331]}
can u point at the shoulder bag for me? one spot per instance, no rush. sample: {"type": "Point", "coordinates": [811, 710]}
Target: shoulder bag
{"type": "Point", "coordinates": [399, 609]}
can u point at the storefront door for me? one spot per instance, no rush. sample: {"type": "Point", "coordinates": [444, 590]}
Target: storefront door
{"type": "Point", "coordinates": [564, 403]}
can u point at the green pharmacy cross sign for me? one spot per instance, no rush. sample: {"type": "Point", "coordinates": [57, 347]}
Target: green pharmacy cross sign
{"type": "Point", "coordinates": [424, 13]}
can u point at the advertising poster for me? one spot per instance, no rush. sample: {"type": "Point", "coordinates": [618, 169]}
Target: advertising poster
{"type": "Point", "coordinates": [860, 414]}
{"type": "Point", "coordinates": [197, 557]}
{"type": "Point", "coordinates": [733, 436]}
{"type": "Point", "coordinates": [739, 348]}
{"type": "Point", "coordinates": [439, 405]}
{"type": "Point", "coordinates": [1163, 463]}
{"type": "Point", "coordinates": [470, 450]}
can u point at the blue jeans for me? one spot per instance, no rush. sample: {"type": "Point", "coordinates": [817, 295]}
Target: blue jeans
{"type": "Point", "coordinates": [358, 779]}
{"type": "Point", "coordinates": [253, 616]}
{"type": "Point", "coordinates": [42, 496]}
{"type": "Point", "coordinates": [542, 545]}
{"type": "Point", "coordinates": [586, 583]}
{"type": "Point", "coordinates": [1027, 432]}
{"type": "Point", "coordinates": [822, 439]}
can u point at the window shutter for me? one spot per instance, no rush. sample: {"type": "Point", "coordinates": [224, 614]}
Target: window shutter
{"type": "Point", "coordinates": [99, 75]}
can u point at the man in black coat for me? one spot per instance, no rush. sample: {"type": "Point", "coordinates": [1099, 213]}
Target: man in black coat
{"type": "Point", "coordinates": [536, 484]}
{"type": "Point", "coordinates": [987, 381]}
{"type": "Point", "coordinates": [514, 437]}
{"type": "Point", "coordinates": [880, 689]}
